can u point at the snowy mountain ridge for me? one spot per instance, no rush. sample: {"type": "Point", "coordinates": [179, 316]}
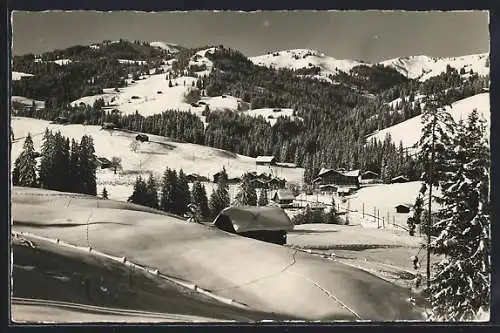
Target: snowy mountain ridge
{"type": "Point", "coordinates": [419, 67]}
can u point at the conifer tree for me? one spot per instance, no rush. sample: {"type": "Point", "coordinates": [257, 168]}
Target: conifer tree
{"type": "Point", "coordinates": [152, 192]}
{"type": "Point", "coordinates": [263, 200]}
{"type": "Point", "coordinates": [435, 152]}
{"type": "Point", "coordinates": [461, 287]}
{"type": "Point", "coordinates": [199, 196]}
{"type": "Point", "coordinates": [247, 196]}
{"type": "Point", "coordinates": [139, 195]}
{"type": "Point", "coordinates": [88, 165]}
{"type": "Point", "coordinates": [46, 163]}
{"type": "Point", "coordinates": [169, 182]}
{"type": "Point", "coordinates": [104, 194]}
{"type": "Point", "coordinates": [24, 173]}
{"type": "Point", "coordinates": [220, 197]}
{"type": "Point", "coordinates": [74, 167]}
{"type": "Point", "coordinates": [182, 194]}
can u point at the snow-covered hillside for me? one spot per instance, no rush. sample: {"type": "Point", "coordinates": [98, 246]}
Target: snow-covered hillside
{"type": "Point", "coordinates": [305, 58]}
{"type": "Point", "coordinates": [153, 156]}
{"type": "Point", "coordinates": [423, 67]}
{"type": "Point", "coordinates": [151, 95]}
{"type": "Point", "coordinates": [62, 62]}
{"type": "Point", "coordinates": [270, 114]}
{"type": "Point", "coordinates": [18, 75]}
{"type": "Point", "coordinates": [28, 101]}
{"type": "Point", "coordinates": [164, 46]}
{"type": "Point", "coordinates": [415, 67]}
{"type": "Point", "coordinates": [409, 131]}
{"type": "Point", "coordinates": [200, 59]}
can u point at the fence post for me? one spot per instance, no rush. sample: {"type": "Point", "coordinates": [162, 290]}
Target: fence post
{"type": "Point", "coordinates": [363, 210]}
{"type": "Point", "coordinates": [388, 219]}
{"type": "Point", "coordinates": [383, 222]}
{"type": "Point", "coordinates": [378, 218]}
{"type": "Point", "coordinates": [375, 214]}
{"type": "Point", "coordinates": [393, 220]}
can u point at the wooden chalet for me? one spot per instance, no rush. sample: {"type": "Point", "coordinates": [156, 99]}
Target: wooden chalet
{"type": "Point", "coordinates": [265, 160]}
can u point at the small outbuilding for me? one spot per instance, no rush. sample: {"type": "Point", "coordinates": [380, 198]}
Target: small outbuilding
{"type": "Point", "coordinates": [108, 126]}
{"type": "Point", "coordinates": [142, 137]}
{"type": "Point", "coordinates": [400, 179]}
{"type": "Point", "coordinates": [103, 162]}
{"type": "Point", "coordinates": [265, 160]}
{"type": "Point", "coordinates": [403, 208]}
{"type": "Point", "coordinates": [284, 198]}
{"type": "Point", "coordinates": [61, 120]}
{"type": "Point", "coordinates": [268, 224]}
{"type": "Point", "coordinates": [369, 175]}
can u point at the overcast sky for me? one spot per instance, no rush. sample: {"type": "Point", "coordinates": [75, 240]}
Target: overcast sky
{"type": "Point", "coordinates": [370, 36]}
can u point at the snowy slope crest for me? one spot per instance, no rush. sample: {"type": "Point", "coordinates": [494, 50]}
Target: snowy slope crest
{"type": "Point", "coordinates": [409, 131]}
{"type": "Point", "coordinates": [423, 67]}
{"type": "Point", "coordinates": [305, 58]}
{"type": "Point", "coordinates": [164, 46]}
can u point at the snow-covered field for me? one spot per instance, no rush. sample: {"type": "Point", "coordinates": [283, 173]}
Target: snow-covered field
{"type": "Point", "coordinates": [423, 67]}
{"type": "Point", "coordinates": [165, 46]}
{"type": "Point", "coordinates": [305, 58]}
{"type": "Point", "coordinates": [62, 62]}
{"type": "Point", "coordinates": [200, 59]}
{"type": "Point", "coordinates": [28, 101]}
{"type": "Point", "coordinates": [377, 199]}
{"type": "Point", "coordinates": [148, 96]}
{"type": "Point", "coordinates": [270, 115]}
{"type": "Point", "coordinates": [16, 76]}
{"type": "Point", "coordinates": [268, 277]}
{"type": "Point", "coordinates": [415, 67]}
{"type": "Point", "coordinates": [409, 131]}
{"type": "Point", "coordinates": [153, 156]}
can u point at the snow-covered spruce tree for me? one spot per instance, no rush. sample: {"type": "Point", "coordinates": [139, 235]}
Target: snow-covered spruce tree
{"type": "Point", "coordinates": [88, 165]}
{"type": "Point", "coordinates": [199, 196]}
{"type": "Point", "coordinates": [461, 287]}
{"type": "Point", "coordinates": [24, 173]}
{"type": "Point", "coordinates": [139, 195]}
{"type": "Point", "coordinates": [263, 200]}
{"type": "Point", "coordinates": [246, 196]}
{"type": "Point", "coordinates": [434, 154]}
{"type": "Point", "coordinates": [45, 174]}
{"type": "Point", "coordinates": [104, 194]}
{"type": "Point", "coordinates": [220, 197]}
{"type": "Point", "coordinates": [182, 195]}
{"type": "Point", "coordinates": [169, 181]}
{"type": "Point", "coordinates": [152, 192]}
{"type": "Point", "coordinates": [74, 167]}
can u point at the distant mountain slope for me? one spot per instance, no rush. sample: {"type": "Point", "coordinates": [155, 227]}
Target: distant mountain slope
{"type": "Point", "coordinates": [423, 67]}
{"type": "Point", "coordinates": [409, 131]}
{"type": "Point", "coordinates": [420, 67]}
{"type": "Point", "coordinates": [305, 58]}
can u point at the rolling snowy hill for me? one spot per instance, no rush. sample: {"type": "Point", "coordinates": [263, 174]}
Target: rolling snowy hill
{"type": "Point", "coordinates": [409, 131]}
{"type": "Point", "coordinates": [18, 75]}
{"type": "Point", "coordinates": [152, 157]}
{"type": "Point", "coordinates": [415, 67]}
{"type": "Point", "coordinates": [423, 67]}
{"type": "Point", "coordinates": [305, 58]}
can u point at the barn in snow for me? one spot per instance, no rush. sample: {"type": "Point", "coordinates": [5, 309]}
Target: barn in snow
{"type": "Point", "coordinates": [265, 160]}
{"type": "Point", "coordinates": [284, 198]}
{"type": "Point", "coordinates": [338, 177]}
{"type": "Point", "coordinates": [268, 224]}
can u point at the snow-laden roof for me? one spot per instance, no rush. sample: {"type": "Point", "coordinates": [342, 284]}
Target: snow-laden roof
{"type": "Point", "coordinates": [352, 173]}
{"type": "Point", "coordinates": [265, 159]}
{"type": "Point", "coordinates": [284, 194]}
{"type": "Point", "coordinates": [251, 218]}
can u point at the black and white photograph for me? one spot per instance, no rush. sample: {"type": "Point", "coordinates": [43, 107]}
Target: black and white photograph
{"type": "Point", "coordinates": [250, 167]}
